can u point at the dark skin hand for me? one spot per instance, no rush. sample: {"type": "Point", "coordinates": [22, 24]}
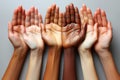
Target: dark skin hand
{"type": "Point", "coordinates": [72, 34]}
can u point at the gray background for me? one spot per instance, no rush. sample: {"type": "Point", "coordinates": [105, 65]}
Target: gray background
{"type": "Point", "coordinates": [6, 49]}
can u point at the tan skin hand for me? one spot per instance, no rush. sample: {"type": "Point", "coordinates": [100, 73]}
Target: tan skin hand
{"type": "Point", "coordinates": [33, 23]}
{"type": "Point", "coordinates": [91, 34]}
{"type": "Point", "coordinates": [16, 28]}
{"type": "Point", "coordinates": [105, 30]}
{"type": "Point", "coordinates": [72, 33]}
{"type": "Point", "coordinates": [51, 32]}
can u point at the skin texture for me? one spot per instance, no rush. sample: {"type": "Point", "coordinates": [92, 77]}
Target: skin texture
{"type": "Point", "coordinates": [33, 39]}
{"type": "Point", "coordinates": [72, 34]}
{"type": "Point", "coordinates": [15, 31]}
{"type": "Point", "coordinates": [89, 72]}
{"type": "Point", "coordinates": [51, 34]}
{"type": "Point", "coordinates": [103, 43]}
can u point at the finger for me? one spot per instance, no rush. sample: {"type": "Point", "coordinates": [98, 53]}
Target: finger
{"type": "Point", "coordinates": [109, 28]}
{"type": "Point", "coordinates": [14, 18]}
{"type": "Point", "coordinates": [85, 13]}
{"type": "Point", "coordinates": [47, 17]}
{"type": "Point", "coordinates": [104, 18]}
{"type": "Point", "coordinates": [90, 17]}
{"type": "Point", "coordinates": [96, 29]}
{"type": "Point", "coordinates": [72, 13]}
{"type": "Point", "coordinates": [63, 21]}
{"type": "Point", "coordinates": [32, 15]}
{"type": "Point", "coordinates": [95, 17]}
{"type": "Point", "coordinates": [67, 15]}
{"type": "Point", "coordinates": [81, 15]}
{"type": "Point", "coordinates": [23, 17]}
{"type": "Point", "coordinates": [99, 19]}
{"type": "Point", "coordinates": [36, 17]}
{"type": "Point", "coordinates": [10, 29]}
{"type": "Point", "coordinates": [60, 19]}
{"type": "Point", "coordinates": [40, 19]}
{"type": "Point", "coordinates": [77, 16]}
{"type": "Point", "coordinates": [52, 13]}
{"type": "Point", "coordinates": [83, 32]}
{"type": "Point", "coordinates": [28, 18]}
{"type": "Point", "coordinates": [56, 15]}
{"type": "Point", "coordinates": [19, 17]}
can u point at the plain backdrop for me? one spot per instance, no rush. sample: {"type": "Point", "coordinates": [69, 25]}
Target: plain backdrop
{"type": "Point", "coordinates": [6, 49]}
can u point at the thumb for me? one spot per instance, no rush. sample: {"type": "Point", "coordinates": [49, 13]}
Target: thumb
{"type": "Point", "coordinates": [83, 31]}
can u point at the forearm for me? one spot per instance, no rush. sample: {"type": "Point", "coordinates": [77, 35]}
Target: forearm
{"type": "Point", "coordinates": [34, 68]}
{"type": "Point", "coordinates": [53, 63]}
{"type": "Point", "coordinates": [69, 72]}
{"type": "Point", "coordinates": [108, 65]}
{"type": "Point", "coordinates": [87, 63]}
{"type": "Point", "coordinates": [15, 66]}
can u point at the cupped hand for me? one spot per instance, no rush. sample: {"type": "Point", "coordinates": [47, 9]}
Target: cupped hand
{"type": "Point", "coordinates": [72, 33]}
{"type": "Point", "coordinates": [33, 24]}
{"type": "Point", "coordinates": [105, 30]}
{"type": "Point", "coordinates": [51, 31]}
{"type": "Point", "coordinates": [91, 34]}
{"type": "Point", "coordinates": [16, 28]}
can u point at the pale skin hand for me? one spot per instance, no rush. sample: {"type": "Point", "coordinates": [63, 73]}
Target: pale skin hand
{"type": "Point", "coordinates": [32, 36]}
{"type": "Point", "coordinates": [91, 33]}
{"type": "Point", "coordinates": [15, 31]}
{"type": "Point", "coordinates": [88, 68]}
{"type": "Point", "coordinates": [103, 44]}
{"type": "Point", "coordinates": [33, 39]}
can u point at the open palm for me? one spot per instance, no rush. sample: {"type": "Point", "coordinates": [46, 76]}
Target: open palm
{"type": "Point", "coordinates": [72, 33]}
{"type": "Point", "coordinates": [52, 29]}
{"type": "Point", "coordinates": [32, 36]}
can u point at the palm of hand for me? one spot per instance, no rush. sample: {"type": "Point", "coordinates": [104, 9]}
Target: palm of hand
{"type": "Point", "coordinates": [71, 35]}
{"type": "Point", "coordinates": [53, 35]}
{"type": "Point", "coordinates": [33, 37]}
{"type": "Point", "coordinates": [91, 37]}
{"type": "Point", "coordinates": [104, 38]}
{"type": "Point", "coordinates": [16, 38]}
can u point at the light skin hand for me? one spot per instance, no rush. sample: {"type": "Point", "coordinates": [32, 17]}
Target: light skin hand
{"type": "Point", "coordinates": [103, 44]}
{"type": "Point", "coordinates": [15, 31]}
{"type": "Point", "coordinates": [33, 24]}
{"type": "Point", "coordinates": [33, 39]}
{"type": "Point", "coordinates": [91, 33]}
{"type": "Point", "coordinates": [84, 49]}
{"type": "Point", "coordinates": [16, 28]}
{"type": "Point", "coordinates": [105, 31]}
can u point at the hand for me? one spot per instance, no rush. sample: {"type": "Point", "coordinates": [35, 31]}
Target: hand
{"type": "Point", "coordinates": [72, 34]}
{"type": "Point", "coordinates": [33, 23]}
{"type": "Point", "coordinates": [51, 32]}
{"type": "Point", "coordinates": [91, 35]}
{"type": "Point", "coordinates": [105, 30]}
{"type": "Point", "coordinates": [16, 28]}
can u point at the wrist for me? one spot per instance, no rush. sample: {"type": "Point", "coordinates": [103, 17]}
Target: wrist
{"type": "Point", "coordinates": [36, 52]}
{"type": "Point", "coordinates": [102, 53]}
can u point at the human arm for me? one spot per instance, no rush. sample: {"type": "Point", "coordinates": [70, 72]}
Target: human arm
{"type": "Point", "coordinates": [103, 44]}
{"type": "Point", "coordinates": [51, 34]}
{"type": "Point", "coordinates": [15, 30]}
{"type": "Point", "coordinates": [84, 49]}
{"type": "Point", "coordinates": [33, 39]}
